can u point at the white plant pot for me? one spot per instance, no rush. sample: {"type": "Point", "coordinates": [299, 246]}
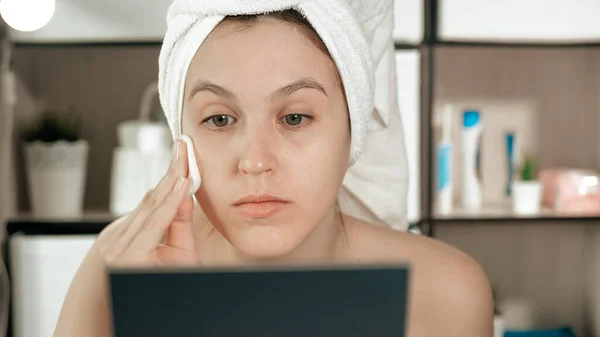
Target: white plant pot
{"type": "Point", "coordinates": [526, 197]}
{"type": "Point", "coordinates": [56, 174]}
{"type": "Point", "coordinates": [498, 326]}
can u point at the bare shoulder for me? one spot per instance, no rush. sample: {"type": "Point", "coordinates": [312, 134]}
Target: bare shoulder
{"type": "Point", "coordinates": [377, 243]}
{"type": "Point", "coordinates": [447, 285]}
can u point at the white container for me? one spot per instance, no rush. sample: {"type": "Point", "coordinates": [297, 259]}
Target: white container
{"type": "Point", "coordinates": [155, 144]}
{"type": "Point", "coordinates": [42, 268]}
{"type": "Point", "coordinates": [143, 134]}
{"type": "Point", "coordinates": [472, 195]}
{"type": "Point", "coordinates": [139, 163]}
{"type": "Point", "coordinates": [133, 174]}
{"type": "Point", "coordinates": [127, 133]}
{"type": "Point", "coordinates": [152, 137]}
{"type": "Point", "coordinates": [498, 326]}
{"type": "Point", "coordinates": [56, 174]}
{"type": "Point", "coordinates": [128, 184]}
{"type": "Point", "coordinates": [444, 164]}
{"type": "Point", "coordinates": [527, 197]}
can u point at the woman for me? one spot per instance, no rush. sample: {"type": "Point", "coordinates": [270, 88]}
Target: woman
{"type": "Point", "coordinates": [266, 108]}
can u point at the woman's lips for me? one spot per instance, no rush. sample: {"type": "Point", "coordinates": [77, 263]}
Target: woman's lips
{"type": "Point", "coordinates": [260, 206]}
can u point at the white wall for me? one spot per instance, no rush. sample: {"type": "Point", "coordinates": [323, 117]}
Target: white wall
{"type": "Point", "coordinates": [518, 20]}
{"type": "Point", "coordinates": [91, 21]}
{"type": "Point", "coordinates": [408, 17]}
{"type": "Point", "coordinates": [137, 20]}
{"type": "Point", "coordinates": [408, 64]}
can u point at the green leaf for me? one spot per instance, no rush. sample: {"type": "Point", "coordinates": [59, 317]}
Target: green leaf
{"type": "Point", "coordinates": [529, 169]}
{"type": "Point", "coordinates": [54, 126]}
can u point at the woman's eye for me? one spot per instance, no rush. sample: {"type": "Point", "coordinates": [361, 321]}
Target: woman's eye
{"type": "Point", "coordinates": [295, 119]}
{"type": "Point", "coordinates": [220, 121]}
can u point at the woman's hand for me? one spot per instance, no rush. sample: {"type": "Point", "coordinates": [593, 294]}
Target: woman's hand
{"type": "Point", "coordinates": [137, 239]}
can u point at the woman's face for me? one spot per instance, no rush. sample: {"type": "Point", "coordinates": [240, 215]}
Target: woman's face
{"type": "Point", "coordinates": [269, 120]}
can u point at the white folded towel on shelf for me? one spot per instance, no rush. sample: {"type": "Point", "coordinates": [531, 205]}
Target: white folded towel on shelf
{"type": "Point", "coordinates": [358, 35]}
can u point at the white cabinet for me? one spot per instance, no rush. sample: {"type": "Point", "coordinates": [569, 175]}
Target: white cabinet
{"type": "Point", "coordinates": [408, 21]}
{"type": "Point", "coordinates": [42, 268]}
{"type": "Point", "coordinates": [520, 20]}
{"type": "Point", "coordinates": [91, 21]}
{"type": "Point", "coordinates": [408, 65]}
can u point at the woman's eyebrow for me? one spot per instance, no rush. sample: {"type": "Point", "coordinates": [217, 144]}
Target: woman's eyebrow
{"type": "Point", "coordinates": [204, 85]}
{"type": "Point", "coordinates": [303, 83]}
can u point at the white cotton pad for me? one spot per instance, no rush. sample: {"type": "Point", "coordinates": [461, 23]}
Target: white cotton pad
{"type": "Point", "coordinates": [193, 173]}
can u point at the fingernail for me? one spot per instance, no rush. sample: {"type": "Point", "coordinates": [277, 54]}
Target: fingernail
{"type": "Point", "coordinates": [179, 183]}
{"type": "Point", "coordinates": [176, 151]}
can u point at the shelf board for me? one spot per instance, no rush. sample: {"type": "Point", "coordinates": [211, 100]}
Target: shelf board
{"type": "Point", "coordinates": [502, 212]}
{"type": "Point", "coordinates": [86, 216]}
{"type": "Point", "coordinates": [90, 222]}
{"type": "Point", "coordinates": [520, 44]}
{"type": "Point", "coordinates": [399, 45]}
{"type": "Point", "coordinates": [407, 45]}
{"type": "Point", "coordinates": [494, 44]}
{"type": "Point", "coordinates": [101, 44]}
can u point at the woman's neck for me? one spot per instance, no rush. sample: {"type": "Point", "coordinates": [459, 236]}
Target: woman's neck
{"type": "Point", "coordinates": [327, 243]}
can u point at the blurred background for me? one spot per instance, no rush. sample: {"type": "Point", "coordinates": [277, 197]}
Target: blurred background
{"type": "Point", "coordinates": [501, 108]}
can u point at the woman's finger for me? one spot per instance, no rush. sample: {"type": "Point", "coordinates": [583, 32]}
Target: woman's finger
{"type": "Point", "coordinates": [108, 237]}
{"type": "Point", "coordinates": [181, 232]}
{"type": "Point", "coordinates": [138, 217]}
{"type": "Point", "coordinates": [177, 169]}
{"type": "Point", "coordinates": [156, 224]}
{"type": "Point", "coordinates": [154, 198]}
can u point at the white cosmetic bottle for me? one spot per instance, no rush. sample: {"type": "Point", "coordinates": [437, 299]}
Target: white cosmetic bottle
{"type": "Point", "coordinates": [444, 163]}
{"type": "Point", "coordinates": [472, 195]}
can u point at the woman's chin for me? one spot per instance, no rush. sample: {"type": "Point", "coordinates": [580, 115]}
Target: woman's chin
{"type": "Point", "coordinates": [265, 243]}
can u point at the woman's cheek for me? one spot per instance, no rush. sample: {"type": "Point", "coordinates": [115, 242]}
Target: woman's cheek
{"type": "Point", "coordinates": [315, 166]}
{"type": "Point", "coordinates": [215, 161]}
{"type": "Point", "coordinates": [214, 189]}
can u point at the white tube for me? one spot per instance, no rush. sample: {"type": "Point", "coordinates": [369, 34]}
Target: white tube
{"type": "Point", "coordinates": [444, 164]}
{"type": "Point", "coordinates": [471, 160]}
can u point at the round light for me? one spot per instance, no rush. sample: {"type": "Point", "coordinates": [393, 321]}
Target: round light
{"type": "Point", "coordinates": [27, 15]}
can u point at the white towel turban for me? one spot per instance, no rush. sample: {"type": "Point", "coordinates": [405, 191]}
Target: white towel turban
{"type": "Point", "coordinates": [375, 186]}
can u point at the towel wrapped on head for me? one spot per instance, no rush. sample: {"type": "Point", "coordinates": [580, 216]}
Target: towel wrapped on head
{"type": "Point", "coordinates": [375, 186]}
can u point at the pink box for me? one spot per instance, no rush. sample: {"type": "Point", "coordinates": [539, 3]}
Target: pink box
{"type": "Point", "coordinates": [548, 179]}
{"type": "Point", "coordinates": [570, 190]}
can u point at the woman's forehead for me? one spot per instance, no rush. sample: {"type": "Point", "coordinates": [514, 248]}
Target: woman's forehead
{"type": "Point", "coordinates": [266, 55]}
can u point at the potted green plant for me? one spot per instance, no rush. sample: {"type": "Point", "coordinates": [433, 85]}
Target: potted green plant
{"type": "Point", "coordinates": [56, 159]}
{"type": "Point", "coordinates": [527, 190]}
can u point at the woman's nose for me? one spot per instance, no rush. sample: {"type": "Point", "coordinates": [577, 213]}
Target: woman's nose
{"type": "Point", "coordinates": [257, 157]}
